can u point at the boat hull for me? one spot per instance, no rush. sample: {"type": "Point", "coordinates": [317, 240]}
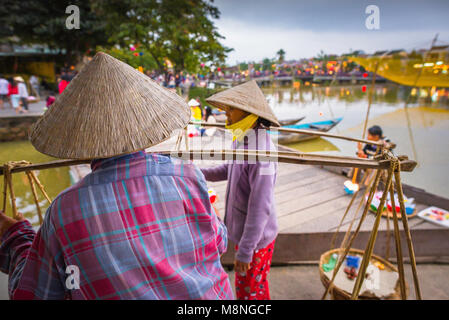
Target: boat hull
{"type": "Point", "coordinates": [322, 126]}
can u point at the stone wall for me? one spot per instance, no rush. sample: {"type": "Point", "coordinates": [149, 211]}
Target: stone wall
{"type": "Point", "coordinates": [16, 127]}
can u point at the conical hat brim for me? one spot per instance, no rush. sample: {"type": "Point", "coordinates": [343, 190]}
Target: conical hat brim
{"type": "Point", "coordinates": [108, 109]}
{"type": "Point", "coordinates": [247, 97]}
{"type": "Point", "coordinates": [193, 103]}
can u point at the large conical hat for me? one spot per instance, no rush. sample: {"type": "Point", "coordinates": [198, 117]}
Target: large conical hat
{"type": "Point", "coordinates": [108, 109]}
{"type": "Point", "coordinates": [247, 97]}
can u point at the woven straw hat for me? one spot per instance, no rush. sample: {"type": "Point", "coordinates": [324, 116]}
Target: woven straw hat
{"type": "Point", "coordinates": [193, 103]}
{"type": "Point", "coordinates": [247, 97]}
{"type": "Point", "coordinates": [108, 109]}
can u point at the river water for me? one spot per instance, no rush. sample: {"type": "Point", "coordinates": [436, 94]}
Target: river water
{"type": "Point", "coordinates": [420, 131]}
{"type": "Point", "coordinates": [426, 139]}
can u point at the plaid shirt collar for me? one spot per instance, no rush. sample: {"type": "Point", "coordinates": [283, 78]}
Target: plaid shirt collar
{"type": "Point", "coordinates": [107, 162]}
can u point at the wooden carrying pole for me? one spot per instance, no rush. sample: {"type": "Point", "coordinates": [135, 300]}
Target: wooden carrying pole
{"type": "Point", "coordinates": [301, 131]}
{"type": "Point", "coordinates": [232, 154]}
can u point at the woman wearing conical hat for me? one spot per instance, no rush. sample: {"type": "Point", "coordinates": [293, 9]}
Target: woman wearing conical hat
{"type": "Point", "coordinates": [139, 226]}
{"type": "Point", "coordinates": [250, 212]}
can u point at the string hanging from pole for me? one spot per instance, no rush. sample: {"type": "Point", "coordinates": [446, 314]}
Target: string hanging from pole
{"type": "Point", "coordinates": [32, 179]}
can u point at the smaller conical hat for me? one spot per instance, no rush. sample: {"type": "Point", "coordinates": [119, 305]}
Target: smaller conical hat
{"type": "Point", "coordinates": [108, 109]}
{"type": "Point", "coordinates": [193, 103]}
{"type": "Point", "coordinates": [247, 97]}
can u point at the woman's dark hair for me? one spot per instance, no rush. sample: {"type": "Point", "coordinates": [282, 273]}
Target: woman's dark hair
{"type": "Point", "coordinates": [264, 123]}
{"type": "Point", "coordinates": [208, 112]}
{"type": "Point", "coordinates": [375, 131]}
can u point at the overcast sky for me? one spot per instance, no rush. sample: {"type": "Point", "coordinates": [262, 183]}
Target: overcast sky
{"type": "Point", "coordinates": [259, 28]}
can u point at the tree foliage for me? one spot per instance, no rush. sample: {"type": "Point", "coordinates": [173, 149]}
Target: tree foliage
{"type": "Point", "coordinates": [44, 22]}
{"type": "Point", "coordinates": [281, 55]}
{"type": "Point", "coordinates": [178, 30]}
{"type": "Point", "coordinates": [181, 31]}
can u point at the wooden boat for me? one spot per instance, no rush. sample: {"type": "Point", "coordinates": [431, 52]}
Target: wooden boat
{"type": "Point", "coordinates": [288, 122]}
{"type": "Point", "coordinates": [320, 126]}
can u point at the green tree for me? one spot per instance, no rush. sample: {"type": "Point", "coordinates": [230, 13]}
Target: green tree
{"type": "Point", "coordinates": [143, 58]}
{"type": "Point", "coordinates": [281, 55]}
{"type": "Point", "coordinates": [243, 66]}
{"type": "Point", "coordinates": [177, 30]}
{"type": "Point", "coordinates": [44, 22]}
{"type": "Point", "coordinates": [266, 64]}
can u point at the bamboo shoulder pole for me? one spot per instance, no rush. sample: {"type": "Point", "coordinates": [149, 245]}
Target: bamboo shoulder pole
{"type": "Point", "coordinates": [301, 131]}
{"type": "Point", "coordinates": [259, 155]}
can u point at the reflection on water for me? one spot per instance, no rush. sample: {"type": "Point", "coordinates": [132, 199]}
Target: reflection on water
{"type": "Point", "coordinates": [314, 145]}
{"type": "Point", "coordinates": [54, 180]}
{"type": "Point", "coordinates": [428, 112]}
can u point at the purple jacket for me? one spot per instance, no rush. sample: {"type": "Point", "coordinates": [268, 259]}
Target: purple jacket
{"type": "Point", "coordinates": [250, 214]}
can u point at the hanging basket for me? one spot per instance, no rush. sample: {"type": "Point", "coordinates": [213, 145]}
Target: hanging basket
{"type": "Point", "coordinates": [340, 294]}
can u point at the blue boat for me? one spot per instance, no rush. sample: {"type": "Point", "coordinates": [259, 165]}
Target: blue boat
{"type": "Point", "coordinates": [320, 126]}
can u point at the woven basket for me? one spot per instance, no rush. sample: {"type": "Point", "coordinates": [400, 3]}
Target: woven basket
{"type": "Point", "coordinates": [340, 294]}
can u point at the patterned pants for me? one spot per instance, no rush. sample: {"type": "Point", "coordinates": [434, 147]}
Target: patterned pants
{"type": "Point", "coordinates": [253, 284]}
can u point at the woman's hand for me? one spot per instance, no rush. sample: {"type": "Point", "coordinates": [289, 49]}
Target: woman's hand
{"type": "Point", "coordinates": [240, 266]}
{"type": "Point", "coordinates": [6, 222]}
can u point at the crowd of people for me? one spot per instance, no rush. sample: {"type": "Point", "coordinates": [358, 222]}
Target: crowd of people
{"type": "Point", "coordinates": [180, 82]}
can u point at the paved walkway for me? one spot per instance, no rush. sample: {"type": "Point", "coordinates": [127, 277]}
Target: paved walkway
{"type": "Point", "coordinates": [34, 109]}
{"type": "Point", "coordinates": [303, 282]}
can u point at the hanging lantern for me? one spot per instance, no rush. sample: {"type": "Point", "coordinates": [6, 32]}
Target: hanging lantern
{"type": "Point", "coordinates": [363, 88]}
{"type": "Point", "coordinates": [140, 69]}
{"type": "Point", "coordinates": [365, 75]}
{"type": "Point", "coordinates": [132, 48]}
{"type": "Point", "coordinates": [140, 53]}
{"type": "Point", "coordinates": [136, 54]}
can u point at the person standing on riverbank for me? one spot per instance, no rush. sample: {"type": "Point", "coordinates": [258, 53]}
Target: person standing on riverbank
{"type": "Point", "coordinates": [139, 226]}
{"type": "Point", "coordinates": [3, 91]}
{"type": "Point", "coordinates": [13, 94]}
{"type": "Point", "coordinates": [250, 208]}
{"type": "Point", "coordinates": [23, 92]}
{"type": "Point", "coordinates": [34, 82]}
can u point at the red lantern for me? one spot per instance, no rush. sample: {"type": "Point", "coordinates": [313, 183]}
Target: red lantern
{"type": "Point", "coordinates": [363, 88]}
{"type": "Point", "coordinates": [136, 54]}
{"type": "Point", "coordinates": [365, 75]}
